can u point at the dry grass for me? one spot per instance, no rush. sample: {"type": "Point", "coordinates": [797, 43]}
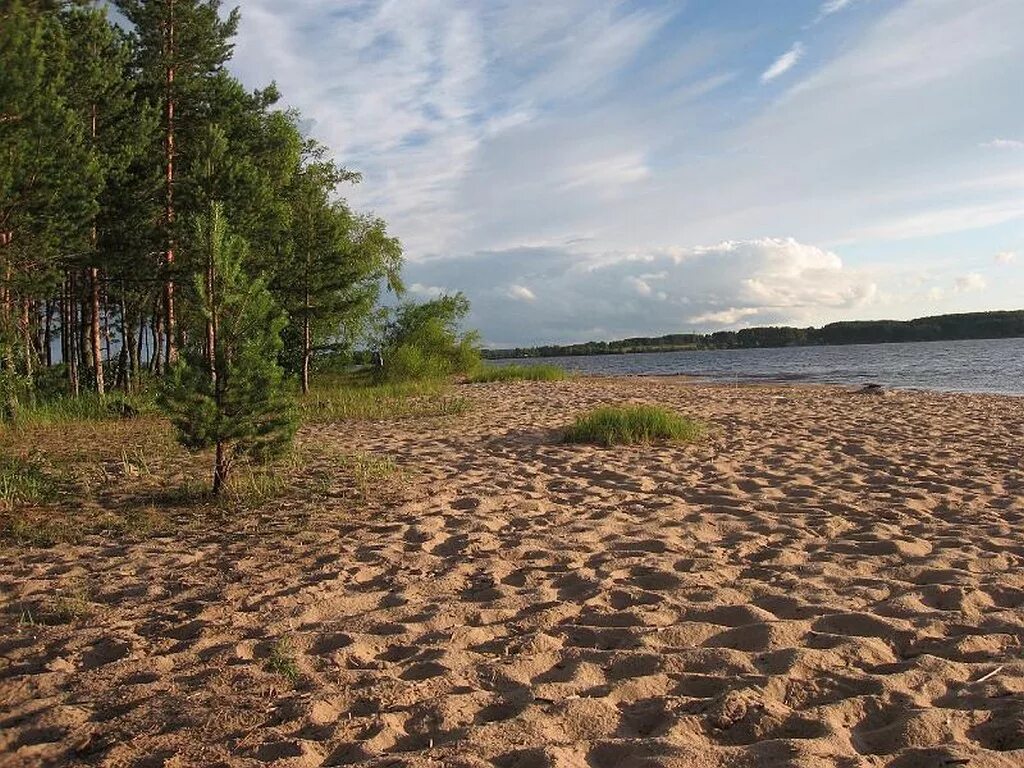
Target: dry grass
{"type": "Point", "coordinates": [129, 479]}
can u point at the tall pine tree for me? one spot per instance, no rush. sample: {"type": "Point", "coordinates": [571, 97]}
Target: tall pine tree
{"type": "Point", "coordinates": [182, 45]}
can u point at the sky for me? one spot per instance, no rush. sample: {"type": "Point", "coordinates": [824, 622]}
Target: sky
{"type": "Point", "coordinates": [598, 169]}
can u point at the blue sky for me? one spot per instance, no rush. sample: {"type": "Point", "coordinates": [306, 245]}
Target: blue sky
{"type": "Point", "coordinates": [598, 168]}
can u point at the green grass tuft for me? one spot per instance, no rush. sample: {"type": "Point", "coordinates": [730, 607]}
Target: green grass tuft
{"type": "Point", "coordinates": [281, 660]}
{"type": "Point", "coordinates": [628, 424]}
{"type": "Point", "coordinates": [489, 373]}
{"type": "Point", "coordinates": [24, 482]}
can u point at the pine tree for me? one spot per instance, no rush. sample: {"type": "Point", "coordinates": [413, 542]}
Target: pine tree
{"type": "Point", "coordinates": [182, 45]}
{"type": "Point", "coordinates": [102, 94]}
{"type": "Point", "coordinates": [330, 273]}
{"type": "Point", "coordinates": [228, 392]}
{"type": "Point", "coordinates": [47, 179]}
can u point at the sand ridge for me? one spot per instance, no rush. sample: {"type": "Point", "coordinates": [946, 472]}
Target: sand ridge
{"type": "Point", "coordinates": [827, 579]}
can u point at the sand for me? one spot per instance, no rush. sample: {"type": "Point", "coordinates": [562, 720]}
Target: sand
{"type": "Point", "coordinates": [827, 579]}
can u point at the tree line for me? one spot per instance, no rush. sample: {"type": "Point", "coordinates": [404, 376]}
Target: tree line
{"type": "Point", "coordinates": [164, 229]}
{"type": "Point", "coordinates": [953, 327]}
{"type": "Point", "coordinates": [115, 140]}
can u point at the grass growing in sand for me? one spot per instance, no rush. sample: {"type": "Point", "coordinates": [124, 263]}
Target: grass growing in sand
{"type": "Point", "coordinates": [24, 482]}
{"type": "Point", "coordinates": [281, 660]}
{"type": "Point", "coordinates": [356, 396]}
{"type": "Point", "coordinates": [68, 410]}
{"type": "Point", "coordinates": [628, 424]}
{"type": "Point", "coordinates": [489, 373]}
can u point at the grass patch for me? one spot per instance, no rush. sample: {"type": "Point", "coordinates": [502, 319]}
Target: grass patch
{"type": "Point", "coordinates": [282, 661]}
{"type": "Point", "coordinates": [70, 604]}
{"type": "Point", "coordinates": [628, 424]}
{"type": "Point", "coordinates": [86, 407]}
{"type": "Point", "coordinates": [41, 529]}
{"type": "Point", "coordinates": [370, 471]}
{"type": "Point", "coordinates": [24, 482]}
{"type": "Point", "coordinates": [356, 397]}
{"type": "Point", "coordinates": [489, 373]}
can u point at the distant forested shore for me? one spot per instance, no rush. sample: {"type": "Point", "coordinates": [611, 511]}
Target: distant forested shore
{"type": "Point", "coordinates": [971, 325]}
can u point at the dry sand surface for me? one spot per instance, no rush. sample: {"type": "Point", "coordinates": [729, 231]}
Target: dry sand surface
{"type": "Point", "coordinates": [827, 579]}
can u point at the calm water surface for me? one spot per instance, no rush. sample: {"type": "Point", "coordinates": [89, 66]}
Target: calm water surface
{"type": "Point", "coordinates": [995, 365]}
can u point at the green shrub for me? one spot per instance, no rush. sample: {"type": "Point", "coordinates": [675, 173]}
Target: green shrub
{"type": "Point", "coordinates": [424, 342]}
{"type": "Point", "coordinates": [489, 373]}
{"type": "Point", "coordinates": [627, 424]}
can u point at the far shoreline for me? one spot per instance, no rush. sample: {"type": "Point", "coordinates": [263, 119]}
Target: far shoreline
{"type": "Point", "coordinates": [800, 384]}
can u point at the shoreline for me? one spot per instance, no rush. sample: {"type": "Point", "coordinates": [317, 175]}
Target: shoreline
{"type": "Point", "coordinates": [773, 384]}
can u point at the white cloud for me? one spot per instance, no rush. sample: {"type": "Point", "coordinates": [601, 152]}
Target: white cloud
{"type": "Point", "coordinates": [521, 293]}
{"type": "Point", "coordinates": [725, 317]}
{"type": "Point", "coordinates": [969, 283]}
{"type": "Point", "coordinates": [609, 294]}
{"type": "Point", "coordinates": [784, 63]}
{"type": "Point", "coordinates": [427, 291]}
{"type": "Point", "coordinates": [608, 174]}
{"type": "Point", "coordinates": [936, 294]}
{"type": "Point", "coordinates": [830, 7]}
{"type": "Point", "coordinates": [640, 285]}
{"type": "Point", "coordinates": [1005, 257]}
{"type": "Point", "coordinates": [1003, 144]}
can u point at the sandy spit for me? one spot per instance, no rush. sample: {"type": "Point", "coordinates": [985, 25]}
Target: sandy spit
{"type": "Point", "coordinates": [827, 579]}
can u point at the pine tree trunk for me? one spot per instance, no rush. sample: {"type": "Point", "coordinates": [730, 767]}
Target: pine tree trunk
{"type": "Point", "coordinates": [71, 334]}
{"type": "Point", "coordinates": [63, 309]}
{"type": "Point", "coordinates": [307, 345]}
{"type": "Point", "coordinates": [26, 337]}
{"type": "Point", "coordinates": [156, 363]}
{"type": "Point", "coordinates": [106, 314]}
{"type": "Point", "coordinates": [10, 405]}
{"type": "Point", "coordinates": [137, 362]}
{"type": "Point", "coordinates": [221, 467]}
{"type": "Point", "coordinates": [127, 343]}
{"type": "Point", "coordinates": [48, 334]}
{"type": "Point", "coordinates": [94, 324]}
{"type": "Point", "coordinates": [169, 212]}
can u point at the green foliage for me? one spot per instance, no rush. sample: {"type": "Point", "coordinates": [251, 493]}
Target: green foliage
{"type": "Point", "coordinates": [331, 266]}
{"type": "Point", "coordinates": [424, 341]}
{"type": "Point", "coordinates": [228, 391]}
{"type": "Point", "coordinates": [628, 424]}
{"type": "Point", "coordinates": [489, 373]}
{"type": "Point", "coordinates": [357, 397]}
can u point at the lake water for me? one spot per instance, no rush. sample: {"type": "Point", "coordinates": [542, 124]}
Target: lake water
{"type": "Point", "coordinates": [995, 365]}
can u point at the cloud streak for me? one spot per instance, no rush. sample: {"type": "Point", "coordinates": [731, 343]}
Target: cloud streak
{"type": "Point", "coordinates": [783, 63]}
{"type": "Point", "coordinates": [1003, 144]}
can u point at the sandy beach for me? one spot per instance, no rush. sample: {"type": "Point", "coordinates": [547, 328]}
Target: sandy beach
{"type": "Point", "coordinates": [825, 579]}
